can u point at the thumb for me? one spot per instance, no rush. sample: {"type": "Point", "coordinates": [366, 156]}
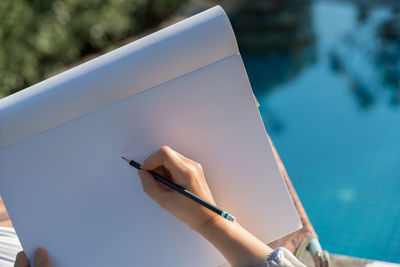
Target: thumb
{"type": "Point", "coordinates": [21, 260]}
{"type": "Point", "coordinates": [41, 258]}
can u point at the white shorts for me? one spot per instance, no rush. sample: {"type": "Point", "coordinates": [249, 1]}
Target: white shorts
{"type": "Point", "coordinates": [9, 246]}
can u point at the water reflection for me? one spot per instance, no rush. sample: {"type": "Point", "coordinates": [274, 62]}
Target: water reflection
{"type": "Point", "coordinates": [277, 42]}
{"type": "Point", "coordinates": [375, 42]}
{"type": "Point", "coordinates": [387, 57]}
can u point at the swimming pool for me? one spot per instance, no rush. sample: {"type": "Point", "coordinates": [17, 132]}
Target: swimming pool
{"type": "Point", "coordinates": [332, 108]}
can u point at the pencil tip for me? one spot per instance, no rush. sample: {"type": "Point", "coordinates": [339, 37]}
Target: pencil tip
{"type": "Point", "coordinates": [127, 160]}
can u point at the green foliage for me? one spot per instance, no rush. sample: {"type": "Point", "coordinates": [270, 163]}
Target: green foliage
{"type": "Point", "coordinates": [39, 38]}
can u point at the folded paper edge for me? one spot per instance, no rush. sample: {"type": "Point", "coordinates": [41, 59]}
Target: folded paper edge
{"type": "Point", "coordinates": [174, 51]}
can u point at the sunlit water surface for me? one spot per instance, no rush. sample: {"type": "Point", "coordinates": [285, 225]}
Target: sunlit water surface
{"type": "Point", "coordinates": [336, 125]}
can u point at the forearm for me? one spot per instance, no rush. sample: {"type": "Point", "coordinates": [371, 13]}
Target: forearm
{"type": "Point", "coordinates": [235, 243]}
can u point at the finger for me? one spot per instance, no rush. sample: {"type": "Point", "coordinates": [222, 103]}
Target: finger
{"type": "Point", "coordinates": [41, 258]}
{"type": "Point", "coordinates": [165, 174]}
{"type": "Point", "coordinates": [21, 260]}
{"type": "Point", "coordinates": [166, 157]}
{"type": "Point", "coordinates": [185, 162]}
{"type": "Point", "coordinates": [150, 185]}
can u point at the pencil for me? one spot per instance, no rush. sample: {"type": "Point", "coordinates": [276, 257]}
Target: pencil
{"type": "Point", "coordinates": [184, 192]}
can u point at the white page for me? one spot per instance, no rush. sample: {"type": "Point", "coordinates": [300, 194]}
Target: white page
{"type": "Point", "coordinates": [77, 198]}
{"type": "Point", "coordinates": [164, 55]}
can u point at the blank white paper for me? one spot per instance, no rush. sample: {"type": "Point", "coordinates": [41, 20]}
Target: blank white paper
{"type": "Point", "coordinates": [67, 189]}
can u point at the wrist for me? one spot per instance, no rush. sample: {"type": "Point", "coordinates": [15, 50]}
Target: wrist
{"type": "Point", "coordinates": [237, 245]}
{"type": "Point", "coordinates": [215, 224]}
{"type": "Point", "coordinates": [203, 219]}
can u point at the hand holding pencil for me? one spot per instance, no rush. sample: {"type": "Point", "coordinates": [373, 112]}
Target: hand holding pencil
{"type": "Point", "coordinates": [185, 173]}
{"type": "Point", "coordinates": [233, 241]}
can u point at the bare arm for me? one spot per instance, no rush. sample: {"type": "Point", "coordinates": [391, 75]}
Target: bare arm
{"type": "Point", "coordinates": [235, 243]}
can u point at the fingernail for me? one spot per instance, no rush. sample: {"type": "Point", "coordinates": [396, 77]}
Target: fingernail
{"type": "Point", "coordinates": [40, 252]}
{"type": "Point", "coordinates": [140, 173]}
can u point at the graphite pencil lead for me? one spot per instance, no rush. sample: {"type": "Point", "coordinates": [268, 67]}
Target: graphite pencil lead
{"type": "Point", "coordinates": [127, 160]}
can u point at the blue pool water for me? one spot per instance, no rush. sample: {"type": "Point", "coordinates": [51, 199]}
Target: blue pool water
{"type": "Point", "coordinates": [333, 112]}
